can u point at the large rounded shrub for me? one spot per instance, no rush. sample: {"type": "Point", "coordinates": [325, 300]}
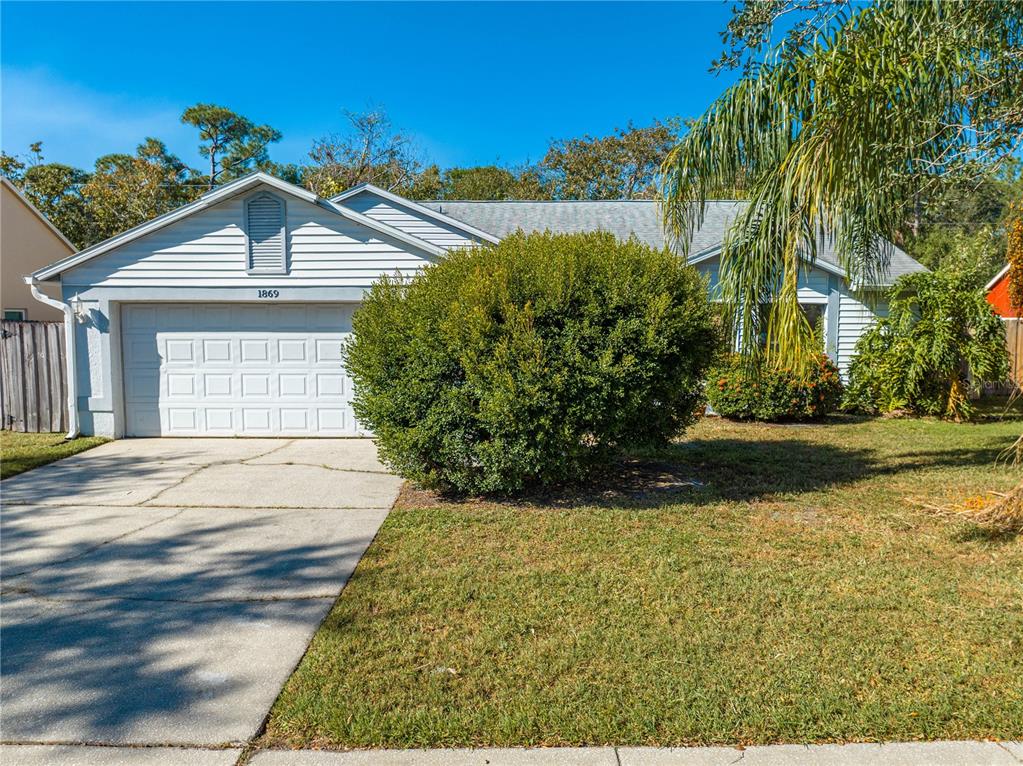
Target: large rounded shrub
{"type": "Point", "coordinates": [531, 362]}
{"type": "Point", "coordinates": [769, 394]}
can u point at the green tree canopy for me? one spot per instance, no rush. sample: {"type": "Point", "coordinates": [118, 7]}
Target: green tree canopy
{"type": "Point", "coordinates": [55, 190]}
{"type": "Point", "coordinates": [233, 144]}
{"type": "Point", "coordinates": [491, 182]}
{"type": "Point", "coordinates": [125, 190]}
{"type": "Point", "coordinates": [623, 165]}
{"type": "Point", "coordinates": [836, 133]}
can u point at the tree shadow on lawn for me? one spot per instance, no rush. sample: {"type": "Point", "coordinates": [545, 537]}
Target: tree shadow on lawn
{"type": "Point", "coordinates": [712, 470]}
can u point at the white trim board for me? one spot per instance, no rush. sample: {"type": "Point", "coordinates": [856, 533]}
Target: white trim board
{"type": "Point", "coordinates": [396, 199]}
{"type": "Point", "coordinates": [996, 277]}
{"type": "Point", "coordinates": [712, 252]}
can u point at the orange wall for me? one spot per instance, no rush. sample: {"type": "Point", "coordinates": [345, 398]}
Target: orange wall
{"type": "Point", "coordinates": [998, 296]}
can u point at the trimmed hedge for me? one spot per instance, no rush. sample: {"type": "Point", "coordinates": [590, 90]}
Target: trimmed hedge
{"type": "Point", "coordinates": [774, 395]}
{"type": "Point", "coordinates": [532, 362]}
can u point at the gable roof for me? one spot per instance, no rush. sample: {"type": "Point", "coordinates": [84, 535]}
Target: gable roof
{"type": "Point", "coordinates": [49, 224]}
{"type": "Point", "coordinates": [639, 218]}
{"type": "Point", "coordinates": [997, 277]}
{"type": "Point", "coordinates": [436, 215]}
{"type": "Point", "coordinates": [218, 195]}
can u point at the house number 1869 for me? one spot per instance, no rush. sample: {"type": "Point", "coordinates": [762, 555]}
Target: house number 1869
{"type": "Point", "coordinates": [269, 293]}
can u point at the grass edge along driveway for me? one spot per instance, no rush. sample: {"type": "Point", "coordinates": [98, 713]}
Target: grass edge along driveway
{"type": "Point", "coordinates": [764, 584]}
{"type": "Point", "coordinates": [20, 452]}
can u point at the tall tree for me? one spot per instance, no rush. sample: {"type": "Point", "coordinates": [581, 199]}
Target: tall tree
{"type": "Point", "coordinates": [126, 190]}
{"type": "Point", "coordinates": [233, 144]}
{"type": "Point", "coordinates": [623, 165]}
{"type": "Point", "coordinates": [837, 132]}
{"type": "Point", "coordinates": [490, 182]}
{"type": "Point", "coordinates": [55, 190]}
{"type": "Point", "coordinates": [369, 149]}
{"type": "Point", "coordinates": [965, 223]}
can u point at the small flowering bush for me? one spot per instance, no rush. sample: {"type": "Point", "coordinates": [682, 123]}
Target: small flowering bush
{"type": "Point", "coordinates": [772, 394]}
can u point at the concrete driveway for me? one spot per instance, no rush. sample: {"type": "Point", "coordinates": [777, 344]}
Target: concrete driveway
{"type": "Point", "coordinates": [161, 591]}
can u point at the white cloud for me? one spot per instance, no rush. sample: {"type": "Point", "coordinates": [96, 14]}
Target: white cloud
{"type": "Point", "coordinates": [77, 124]}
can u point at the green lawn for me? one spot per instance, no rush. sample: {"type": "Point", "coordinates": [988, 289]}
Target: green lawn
{"type": "Point", "coordinates": [801, 593]}
{"type": "Point", "coordinates": [22, 452]}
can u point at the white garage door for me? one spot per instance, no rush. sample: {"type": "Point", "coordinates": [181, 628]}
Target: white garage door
{"type": "Point", "coordinates": [236, 370]}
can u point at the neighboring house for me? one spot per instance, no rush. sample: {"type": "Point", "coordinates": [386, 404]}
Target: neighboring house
{"type": "Point", "coordinates": [226, 317]}
{"type": "Point", "coordinates": [28, 241]}
{"type": "Point", "coordinates": [998, 296]}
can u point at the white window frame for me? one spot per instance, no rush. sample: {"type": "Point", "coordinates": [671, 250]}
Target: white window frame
{"type": "Point", "coordinates": [22, 318]}
{"type": "Point", "coordinates": [283, 268]}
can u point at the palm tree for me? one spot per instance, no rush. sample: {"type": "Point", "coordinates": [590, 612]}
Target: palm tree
{"type": "Point", "coordinates": [836, 134]}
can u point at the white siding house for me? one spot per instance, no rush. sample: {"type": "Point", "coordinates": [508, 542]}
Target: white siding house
{"type": "Point", "coordinates": [226, 317]}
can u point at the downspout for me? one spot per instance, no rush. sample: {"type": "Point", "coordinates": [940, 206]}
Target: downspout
{"type": "Point", "coordinates": [69, 337]}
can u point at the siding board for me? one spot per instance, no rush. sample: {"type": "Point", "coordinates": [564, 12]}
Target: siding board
{"type": "Point", "coordinates": [854, 315]}
{"type": "Point", "coordinates": [407, 220]}
{"type": "Point", "coordinates": [208, 250]}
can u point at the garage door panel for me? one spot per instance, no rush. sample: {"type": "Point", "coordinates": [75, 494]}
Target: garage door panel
{"type": "Point", "coordinates": [236, 370]}
{"type": "Point", "coordinates": [178, 350]}
{"type": "Point", "coordinates": [255, 350]}
{"type": "Point", "coordinates": [218, 385]}
{"type": "Point", "coordinates": [217, 351]}
{"type": "Point", "coordinates": [219, 421]}
{"type": "Point", "coordinates": [331, 421]}
{"type": "Point", "coordinates": [181, 385]}
{"type": "Point", "coordinates": [330, 384]}
{"type": "Point", "coordinates": [293, 385]}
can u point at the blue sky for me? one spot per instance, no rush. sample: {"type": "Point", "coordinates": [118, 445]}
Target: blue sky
{"type": "Point", "coordinates": [473, 82]}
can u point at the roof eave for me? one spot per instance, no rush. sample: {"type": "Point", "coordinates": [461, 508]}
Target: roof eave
{"type": "Point", "coordinates": [997, 277]}
{"type": "Point", "coordinates": [422, 209]}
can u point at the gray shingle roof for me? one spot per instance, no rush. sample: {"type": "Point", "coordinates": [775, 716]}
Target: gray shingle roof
{"type": "Point", "coordinates": [623, 218]}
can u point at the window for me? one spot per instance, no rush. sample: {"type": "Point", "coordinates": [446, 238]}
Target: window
{"type": "Point", "coordinates": [267, 235]}
{"type": "Point", "coordinates": [14, 314]}
{"type": "Point", "coordinates": [814, 313]}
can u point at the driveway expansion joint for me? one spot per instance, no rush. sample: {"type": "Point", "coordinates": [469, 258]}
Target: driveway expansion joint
{"type": "Point", "coordinates": [96, 547]}
{"type": "Point", "coordinates": [29, 592]}
{"type": "Point", "coordinates": [1010, 752]}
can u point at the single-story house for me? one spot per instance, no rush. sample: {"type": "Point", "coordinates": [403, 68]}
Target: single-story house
{"type": "Point", "coordinates": [226, 317]}
{"type": "Point", "coordinates": [28, 241]}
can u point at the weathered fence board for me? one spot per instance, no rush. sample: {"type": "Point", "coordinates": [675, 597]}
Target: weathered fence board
{"type": "Point", "coordinates": [33, 389]}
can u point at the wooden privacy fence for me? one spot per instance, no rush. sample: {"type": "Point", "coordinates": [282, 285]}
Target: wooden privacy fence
{"type": "Point", "coordinates": [33, 388]}
{"type": "Point", "coordinates": [1014, 343]}
{"type": "Point", "coordinates": [1014, 340]}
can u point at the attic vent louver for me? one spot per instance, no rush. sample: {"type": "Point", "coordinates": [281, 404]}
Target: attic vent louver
{"type": "Point", "coordinates": [267, 237]}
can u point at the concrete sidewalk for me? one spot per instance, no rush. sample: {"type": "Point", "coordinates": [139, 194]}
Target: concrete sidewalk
{"type": "Point", "coordinates": [894, 754]}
